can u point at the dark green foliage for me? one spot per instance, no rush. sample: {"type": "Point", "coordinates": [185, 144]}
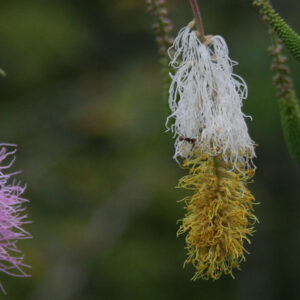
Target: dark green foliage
{"type": "Point", "coordinates": [289, 37]}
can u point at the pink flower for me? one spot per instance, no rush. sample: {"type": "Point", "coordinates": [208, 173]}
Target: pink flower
{"type": "Point", "coordinates": [12, 216]}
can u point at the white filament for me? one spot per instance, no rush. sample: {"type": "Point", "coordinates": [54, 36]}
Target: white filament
{"type": "Point", "coordinates": [205, 99]}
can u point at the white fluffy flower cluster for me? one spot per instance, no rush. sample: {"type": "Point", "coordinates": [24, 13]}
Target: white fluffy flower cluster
{"type": "Point", "coordinates": [205, 99]}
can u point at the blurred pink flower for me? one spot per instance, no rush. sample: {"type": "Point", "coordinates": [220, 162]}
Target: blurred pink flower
{"type": "Point", "coordinates": [12, 216]}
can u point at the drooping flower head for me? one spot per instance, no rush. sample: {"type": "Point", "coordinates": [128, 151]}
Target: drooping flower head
{"type": "Point", "coordinates": [12, 215]}
{"type": "Point", "coordinates": [213, 143]}
{"type": "Point", "coordinates": [205, 99]}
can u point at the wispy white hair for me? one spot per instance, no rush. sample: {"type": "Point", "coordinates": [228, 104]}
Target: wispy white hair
{"type": "Point", "coordinates": [205, 99]}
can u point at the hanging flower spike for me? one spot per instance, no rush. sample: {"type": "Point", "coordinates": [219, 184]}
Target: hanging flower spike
{"type": "Point", "coordinates": [212, 142]}
{"type": "Point", "coordinates": [205, 99]}
{"type": "Point", "coordinates": [212, 139]}
{"type": "Point", "coordinates": [288, 103]}
{"type": "Point", "coordinates": [12, 217]}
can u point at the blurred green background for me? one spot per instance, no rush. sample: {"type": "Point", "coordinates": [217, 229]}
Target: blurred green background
{"type": "Point", "coordinates": [83, 100]}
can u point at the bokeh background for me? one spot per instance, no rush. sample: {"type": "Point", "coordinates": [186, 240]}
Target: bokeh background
{"type": "Point", "coordinates": [83, 100]}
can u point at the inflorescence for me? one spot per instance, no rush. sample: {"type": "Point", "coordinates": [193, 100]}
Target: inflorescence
{"type": "Point", "coordinates": [213, 143]}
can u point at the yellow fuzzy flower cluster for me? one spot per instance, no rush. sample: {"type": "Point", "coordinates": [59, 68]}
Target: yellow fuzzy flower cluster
{"type": "Point", "coordinates": [219, 217]}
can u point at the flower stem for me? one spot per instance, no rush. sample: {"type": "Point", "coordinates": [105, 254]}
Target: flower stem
{"type": "Point", "coordinates": [198, 18]}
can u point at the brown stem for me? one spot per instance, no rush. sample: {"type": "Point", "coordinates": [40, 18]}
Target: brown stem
{"type": "Point", "coordinates": [198, 18]}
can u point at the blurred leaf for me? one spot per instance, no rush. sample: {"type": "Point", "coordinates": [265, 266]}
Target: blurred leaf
{"type": "Point", "coordinates": [38, 36]}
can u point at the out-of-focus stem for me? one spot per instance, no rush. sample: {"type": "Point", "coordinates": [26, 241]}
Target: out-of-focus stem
{"type": "Point", "coordinates": [287, 100]}
{"type": "Point", "coordinates": [162, 26]}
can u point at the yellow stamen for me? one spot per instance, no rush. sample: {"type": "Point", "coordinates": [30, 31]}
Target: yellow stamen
{"type": "Point", "coordinates": [219, 216]}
